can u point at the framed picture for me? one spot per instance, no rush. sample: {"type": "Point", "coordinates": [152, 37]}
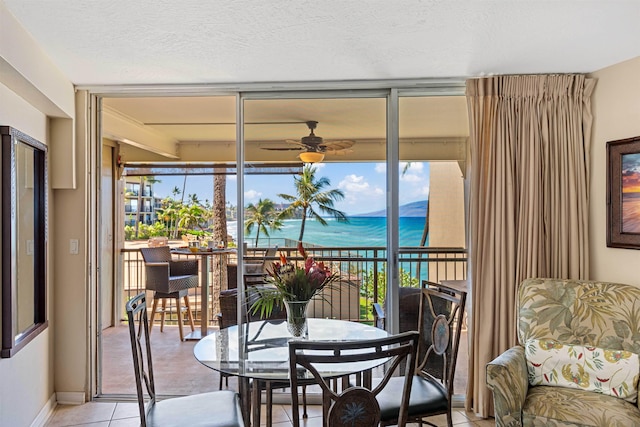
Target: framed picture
{"type": "Point", "coordinates": [623, 193]}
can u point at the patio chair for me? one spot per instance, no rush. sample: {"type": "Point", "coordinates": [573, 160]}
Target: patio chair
{"type": "Point", "coordinates": [255, 273]}
{"type": "Point", "coordinates": [355, 405]}
{"type": "Point", "coordinates": [440, 325]}
{"type": "Point", "coordinates": [169, 279]}
{"type": "Point", "coordinates": [215, 409]}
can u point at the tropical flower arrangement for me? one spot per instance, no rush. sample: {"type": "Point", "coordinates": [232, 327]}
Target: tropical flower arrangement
{"type": "Point", "coordinates": [291, 283]}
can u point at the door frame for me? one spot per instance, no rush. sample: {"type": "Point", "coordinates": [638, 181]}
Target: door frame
{"type": "Point", "coordinates": [390, 89]}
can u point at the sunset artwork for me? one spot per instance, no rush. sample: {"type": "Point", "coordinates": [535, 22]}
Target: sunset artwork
{"type": "Point", "coordinates": [631, 193]}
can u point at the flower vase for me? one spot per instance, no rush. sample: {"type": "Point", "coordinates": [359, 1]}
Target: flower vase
{"type": "Point", "coordinates": [296, 317]}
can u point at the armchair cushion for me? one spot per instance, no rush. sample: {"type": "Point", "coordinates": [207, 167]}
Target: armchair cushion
{"type": "Point", "coordinates": [612, 372]}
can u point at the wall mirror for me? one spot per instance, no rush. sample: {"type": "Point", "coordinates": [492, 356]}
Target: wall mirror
{"type": "Point", "coordinates": [24, 239]}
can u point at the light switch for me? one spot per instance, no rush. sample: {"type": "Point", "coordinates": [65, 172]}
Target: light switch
{"type": "Point", "coordinates": [73, 246]}
{"type": "Point", "coordinates": [30, 247]}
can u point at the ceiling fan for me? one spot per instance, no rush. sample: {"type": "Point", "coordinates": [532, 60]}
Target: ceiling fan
{"type": "Point", "coordinates": [314, 146]}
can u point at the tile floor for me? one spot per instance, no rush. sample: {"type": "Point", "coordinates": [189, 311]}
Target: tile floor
{"type": "Point", "coordinates": [125, 414]}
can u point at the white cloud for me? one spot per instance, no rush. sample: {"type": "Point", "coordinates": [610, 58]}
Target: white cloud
{"type": "Point", "coordinates": [359, 192]}
{"type": "Point", "coordinates": [412, 172]}
{"type": "Point", "coordinates": [353, 183]}
{"type": "Point", "coordinates": [252, 195]}
{"type": "Point", "coordinates": [381, 168]}
{"type": "Point", "coordinates": [412, 167]}
{"type": "Point", "coordinates": [411, 178]}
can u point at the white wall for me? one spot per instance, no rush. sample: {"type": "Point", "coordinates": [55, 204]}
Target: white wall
{"type": "Point", "coordinates": [33, 95]}
{"type": "Point", "coordinates": [616, 110]}
{"type": "Point", "coordinates": [27, 378]}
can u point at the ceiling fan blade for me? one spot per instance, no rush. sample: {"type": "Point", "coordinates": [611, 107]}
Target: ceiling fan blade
{"type": "Point", "coordinates": [338, 145]}
{"type": "Point", "coordinates": [282, 148]}
{"type": "Point", "coordinates": [343, 152]}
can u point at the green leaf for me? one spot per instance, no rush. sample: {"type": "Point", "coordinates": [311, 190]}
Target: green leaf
{"type": "Point", "coordinates": [621, 328]}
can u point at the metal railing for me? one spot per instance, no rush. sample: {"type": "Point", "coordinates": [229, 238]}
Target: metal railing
{"type": "Point", "coordinates": [362, 281]}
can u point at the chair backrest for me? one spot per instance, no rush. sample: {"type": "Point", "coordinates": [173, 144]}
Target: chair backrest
{"type": "Point", "coordinates": [270, 252]}
{"type": "Point", "coordinates": [356, 405]}
{"type": "Point", "coordinates": [589, 313]}
{"type": "Point", "coordinates": [156, 254]}
{"type": "Point", "coordinates": [440, 326]}
{"type": "Point", "coordinates": [229, 308]}
{"type": "Point", "coordinates": [136, 309]}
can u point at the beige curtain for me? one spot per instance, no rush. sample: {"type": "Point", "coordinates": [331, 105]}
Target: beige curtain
{"type": "Point", "coordinates": [529, 202]}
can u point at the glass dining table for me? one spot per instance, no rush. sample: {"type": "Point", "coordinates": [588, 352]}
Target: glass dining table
{"type": "Point", "coordinates": [259, 351]}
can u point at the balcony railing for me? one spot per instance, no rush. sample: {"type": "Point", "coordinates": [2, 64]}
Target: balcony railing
{"type": "Point", "coordinates": [362, 276]}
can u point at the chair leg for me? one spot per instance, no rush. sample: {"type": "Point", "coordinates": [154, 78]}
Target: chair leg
{"type": "Point", "coordinates": [179, 310]}
{"type": "Point", "coordinates": [304, 402]}
{"type": "Point", "coordinates": [256, 402]}
{"type": "Point", "coordinates": [269, 391]}
{"type": "Point", "coordinates": [154, 309]}
{"type": "Point", "coordinates": [226, 380]}
{"type": "Point", "coordinates": [163, 314]}
{"type": "Point", "coordinates": [189, 313]}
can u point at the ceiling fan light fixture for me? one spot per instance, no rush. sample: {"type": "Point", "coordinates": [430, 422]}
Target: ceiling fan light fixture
{"type": "Point", "coordinates": [311, 156]}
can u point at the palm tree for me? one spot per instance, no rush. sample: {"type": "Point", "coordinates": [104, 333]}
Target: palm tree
{"type": "Point", "coordinates": [425, 230]}
{"type": "Point", "coordinates": [219, 213]}
{"type": "Point", "coordinates": [311, 192]}
{"type": "Point", "coordinates": [263, 215]}
{"type": "Point", "coordinates": [176, 206]}
{"type": "Point", "coordinates": [191, 216]}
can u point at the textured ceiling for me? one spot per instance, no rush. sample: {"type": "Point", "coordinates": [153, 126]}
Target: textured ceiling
{"type": "Point", "coordinates": [163, 42]}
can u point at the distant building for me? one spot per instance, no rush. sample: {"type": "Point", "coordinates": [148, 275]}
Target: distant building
{"type": "Point", "coordinates": [139, 202]}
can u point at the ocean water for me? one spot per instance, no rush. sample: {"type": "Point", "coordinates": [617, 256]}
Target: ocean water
{"type": "Point", "coordinates": [359, 231]}
{"type": "Point", "coordinates": [631, 213]}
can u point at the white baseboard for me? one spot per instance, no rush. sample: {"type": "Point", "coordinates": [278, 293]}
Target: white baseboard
{"type": "Point", "coordinates": [46, 412]}
{"type": "Point", "coordinates": [70, 397]}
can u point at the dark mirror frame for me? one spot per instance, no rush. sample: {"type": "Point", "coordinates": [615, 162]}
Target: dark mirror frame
{"type": "Point", "coordinates": [12, 340]}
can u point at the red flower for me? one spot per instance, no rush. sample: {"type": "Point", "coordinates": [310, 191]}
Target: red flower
{"type": "Point", "coordinates": [298, 284]}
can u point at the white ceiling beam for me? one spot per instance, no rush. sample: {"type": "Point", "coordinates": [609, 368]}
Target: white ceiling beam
{"type": "Point", "coordinates": [127, 130]}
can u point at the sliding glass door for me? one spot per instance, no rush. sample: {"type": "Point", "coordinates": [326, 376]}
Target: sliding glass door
{"type": "Point", "coordinates": [314, 171]}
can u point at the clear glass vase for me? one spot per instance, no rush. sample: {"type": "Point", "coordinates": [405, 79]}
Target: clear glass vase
{"type": "Point", "coordinates": [296, 317]}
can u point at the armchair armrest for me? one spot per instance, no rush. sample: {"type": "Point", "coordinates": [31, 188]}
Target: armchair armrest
{"type": "Point", "coordinates": [183, 267]}
{"type": "Point", "coordinates": [507, 377]}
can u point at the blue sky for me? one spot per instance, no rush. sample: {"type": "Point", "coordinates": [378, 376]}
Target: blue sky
{"type": "Point", "coordinates": [364, 185]}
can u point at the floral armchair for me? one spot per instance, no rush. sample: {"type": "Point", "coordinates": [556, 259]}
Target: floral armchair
{"type": "Point", "coordinates": [592, 317]}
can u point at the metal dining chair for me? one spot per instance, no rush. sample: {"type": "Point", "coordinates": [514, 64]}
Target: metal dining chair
{"type": "Point", "coordinates": [440, 326]}
{"type": "Point", "coordinates": [356, 405]}
{"type": "Point", "coordinates": [214, 409]}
